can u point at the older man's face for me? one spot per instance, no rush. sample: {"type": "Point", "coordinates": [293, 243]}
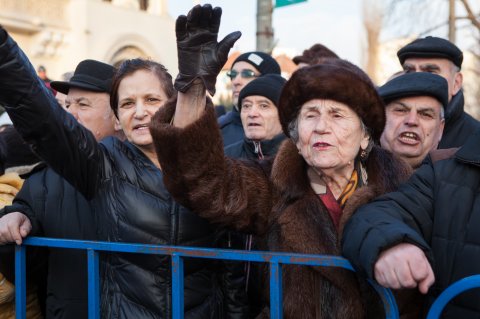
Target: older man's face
{"type": "Point", "coordinates": [443, 67]}
{"type": "Point", "coordinates": [414, 127]}
{"type": "Point", "coordinates": [92, 110]}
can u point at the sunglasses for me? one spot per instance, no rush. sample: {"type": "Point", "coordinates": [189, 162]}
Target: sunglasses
{"type": "Point", "coordinates": [246, 74]}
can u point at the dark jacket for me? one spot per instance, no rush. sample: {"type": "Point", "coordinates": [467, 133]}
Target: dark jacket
{"type": "Point", "coordinates": [437, 210]}
{"type": "Point", "coordinates": [244, 280]}
{"type": "Point", "coordinates": [57, 210]}
{"type": "Point", "coordinates": [459, 125]}
{"type": "Point", "coordinates": [126, 193]}
{"type": "Point", "coordinates": [249, 149]}
{"type": "Point", "coordinates": [231, 126]}
{"type": "Point", "coordinates": [272, 199]}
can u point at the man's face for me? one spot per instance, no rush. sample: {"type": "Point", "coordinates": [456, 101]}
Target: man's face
{"type": "Point", "coordinates": [92, 110]}
{"type": "Point", "coordinates": [414, 127]}
{"type": "Point", "coordinates": [242, 79]}
{"type": "Point", "coordinates": [260, 118]}
{"type": "Point", "coordinates": [443, 67]}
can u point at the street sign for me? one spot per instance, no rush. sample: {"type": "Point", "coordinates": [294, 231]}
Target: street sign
{"type": "Point", "coordinates": [283, 3]}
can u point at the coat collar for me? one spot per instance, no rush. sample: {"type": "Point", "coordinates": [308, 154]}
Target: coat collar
{"type": "Point", "coordinates": [469, 152]}
{"type": "Point", "coordinates": [455, 108]}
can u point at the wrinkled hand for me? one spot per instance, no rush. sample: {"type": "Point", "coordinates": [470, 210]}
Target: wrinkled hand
{"type": "Point", "coordinates": [199, 53]}
{"type": "Point", "coordinates": [404, 266]}
{"type": "Point", "coordinates": [14, 227]}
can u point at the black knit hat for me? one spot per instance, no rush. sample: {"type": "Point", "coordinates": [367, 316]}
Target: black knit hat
{"type": "Point", "coordinates": [269, 86]}
{"type": "Point", "coordinates": [338, 80]}
{"type": "Point", "coordinates": [263, 62]}
{"type": "Point", "coordinates": [431, 47]}
{"type": "Point", "coordinates": [415, 84]}
{"type": "Point", "coordinates": [89, 75]}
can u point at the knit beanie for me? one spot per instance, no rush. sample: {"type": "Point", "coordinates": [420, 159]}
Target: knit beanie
{"type": "Point", "coordinates": [263, 62]}
{"type": "Point", "coordinates": [269, 86]}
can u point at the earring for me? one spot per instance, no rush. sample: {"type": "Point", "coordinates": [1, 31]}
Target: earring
{"type": "Point", "coordinates": [363, 154]}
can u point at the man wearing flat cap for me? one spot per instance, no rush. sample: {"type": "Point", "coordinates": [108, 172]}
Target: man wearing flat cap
{"type": "Point", "coordinates": [415, 104]}
{"type": "Point", "coordinates": [48, 205]}
{"type": "Point", "coordinates": [439, 56]}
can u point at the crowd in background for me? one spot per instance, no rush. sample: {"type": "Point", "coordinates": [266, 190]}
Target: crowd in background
{"type": "Point", "coordinates": [324, 162]}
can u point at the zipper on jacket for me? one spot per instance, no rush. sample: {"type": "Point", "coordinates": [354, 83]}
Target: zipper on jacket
{"type": "Point", "coordinates": [258, 149]}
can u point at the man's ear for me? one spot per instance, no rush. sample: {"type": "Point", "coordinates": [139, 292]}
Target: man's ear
{"type": "Point", "coordinates": [458, 82]}
{"type": "Point", "coordinates": [117, 125]}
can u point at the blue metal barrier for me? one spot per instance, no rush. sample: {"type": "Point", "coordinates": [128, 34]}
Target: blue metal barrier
{"type": "Point", "coordinates": [276, 260]}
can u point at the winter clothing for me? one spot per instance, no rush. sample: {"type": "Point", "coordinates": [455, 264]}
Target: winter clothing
{"type": "Point", "coordinates": [126, 192]}
{"type": "Point", "coordinates": [350, 86]}
{"type": "Point", "coordinates": [415, 84]}
{"type": "Point", "coordinates": [10, 184]}
{"type": "Point", "coordinates": [431, 47]}
{"type": "Point", "coordinates": [459, 125]}
{"type": "Point", "coordinates": [231, 127]}
{"type": "Point", "coordinates": [269, 86]}
{"type": "Point", "coordinates": [272, 199]}
{"type": "Point", "coordinates": [263, 62]}
{"type": "Point", "coordinates": [89, 75]}
{"type": "Point", "coordinates": [315, 55]}
{"type": "Point", "coordinates": [249, 149]}
{"type": "Point", "coordinates": [437, 210]}
{"type": "Point", "coordinates": [57, 210]}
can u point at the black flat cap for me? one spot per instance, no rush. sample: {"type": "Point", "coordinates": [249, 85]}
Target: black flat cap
{"type": "Point", "coordinates": [431, 47]}
{"type": "Point", "coordinates": [415, 84]}
{"type": "Point", "coordinates": [89, 75]}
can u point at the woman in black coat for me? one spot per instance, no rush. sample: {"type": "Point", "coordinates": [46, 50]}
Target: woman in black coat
{"type": "Point", "coordinates": [122, 181]}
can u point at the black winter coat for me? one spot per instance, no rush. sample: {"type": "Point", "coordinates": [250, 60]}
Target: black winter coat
{"type": "Point", "coordinates": [57, 210]}
{"type": "Point", "coordinates": [248, 149]}
{"type": "Point", "coordinates": [438, 209]}
{"type": "Point", "coordinates": [459, 126]}
{"type": "Point", "coordinates": [127, 194]}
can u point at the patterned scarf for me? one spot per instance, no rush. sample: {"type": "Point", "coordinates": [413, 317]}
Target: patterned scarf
{"type": "Point", "coordinates": [335, 206]}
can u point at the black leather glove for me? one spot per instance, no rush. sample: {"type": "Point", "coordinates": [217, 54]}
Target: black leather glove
{"type": "Point", "coordinates": [199, 53]}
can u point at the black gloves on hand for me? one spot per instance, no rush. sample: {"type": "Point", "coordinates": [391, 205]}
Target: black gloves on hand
{"type": "Point", "coordinates": [199, 53]}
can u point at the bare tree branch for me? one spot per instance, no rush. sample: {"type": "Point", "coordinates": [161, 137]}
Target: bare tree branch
{"type": "Point", "coordinates": [470, 14]}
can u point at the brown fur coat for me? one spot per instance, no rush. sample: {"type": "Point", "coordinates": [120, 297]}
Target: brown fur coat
{"type": "Point", "coordinates": [271, 199]}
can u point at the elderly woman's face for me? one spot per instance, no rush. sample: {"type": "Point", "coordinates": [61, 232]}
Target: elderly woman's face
{"type": "Point", "coordinates": [330, 134]}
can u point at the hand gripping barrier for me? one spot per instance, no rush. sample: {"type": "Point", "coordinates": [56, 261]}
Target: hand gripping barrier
{"type": "Point", "coordinates": [177, 253]}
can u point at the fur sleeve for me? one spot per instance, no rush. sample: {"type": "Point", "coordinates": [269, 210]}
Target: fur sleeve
{"type": "Point", "coordinates": [199, 176]}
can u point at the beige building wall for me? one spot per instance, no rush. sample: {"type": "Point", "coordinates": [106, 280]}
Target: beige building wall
{"type": "Point", "coordinates": [60, 33]}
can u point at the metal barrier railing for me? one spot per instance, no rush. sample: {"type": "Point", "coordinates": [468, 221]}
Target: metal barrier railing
{"type": "Point", "coordinates": [276, 260]}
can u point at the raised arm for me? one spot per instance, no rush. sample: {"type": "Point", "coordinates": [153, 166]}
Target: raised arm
{"type": "Point", "coordinates": [55, 135]}
{"type": "Point", "coordinates": [190, 152]}
{"type": "Point", "coordinates": [200, 59]}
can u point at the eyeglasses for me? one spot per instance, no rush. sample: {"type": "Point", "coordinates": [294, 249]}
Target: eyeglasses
{"type": "Point", "coordinates": [246, 74]}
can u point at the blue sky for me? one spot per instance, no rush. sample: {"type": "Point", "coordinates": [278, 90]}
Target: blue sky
{"type": "Point", "coordinates": [336, 24]}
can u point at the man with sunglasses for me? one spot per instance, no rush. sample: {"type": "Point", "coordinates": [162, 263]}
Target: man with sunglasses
{"type": "Point", "coordinates": [245, 68]}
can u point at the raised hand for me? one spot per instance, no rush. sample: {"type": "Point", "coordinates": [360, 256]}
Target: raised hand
{"type": "Point", "coordinates": [404, 266]}
{"type": "Point", "coordinates": [199, 53]}
{"type": "Point", "coordinates": [14, 227]}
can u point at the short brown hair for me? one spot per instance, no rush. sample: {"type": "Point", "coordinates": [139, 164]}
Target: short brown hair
{"type": "Point", "coordinates": [129, 67]}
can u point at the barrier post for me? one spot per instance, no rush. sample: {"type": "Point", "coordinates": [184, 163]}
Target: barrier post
{"type": "Point", "coordinates": [20, 282]}
{"type": "Point", "coordinates": [276, 301]}
{"type": "Point", "coordinates": [93, 284]}
{"type": "Point", "coordinates": [177, 286]}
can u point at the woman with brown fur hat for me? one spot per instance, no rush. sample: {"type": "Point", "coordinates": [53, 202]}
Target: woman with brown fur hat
{"type": "Point", "coordinates": [300, 200]}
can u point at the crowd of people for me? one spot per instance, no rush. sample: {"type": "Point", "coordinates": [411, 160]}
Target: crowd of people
{"type": "Point", "coordinates": [325, 162]}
